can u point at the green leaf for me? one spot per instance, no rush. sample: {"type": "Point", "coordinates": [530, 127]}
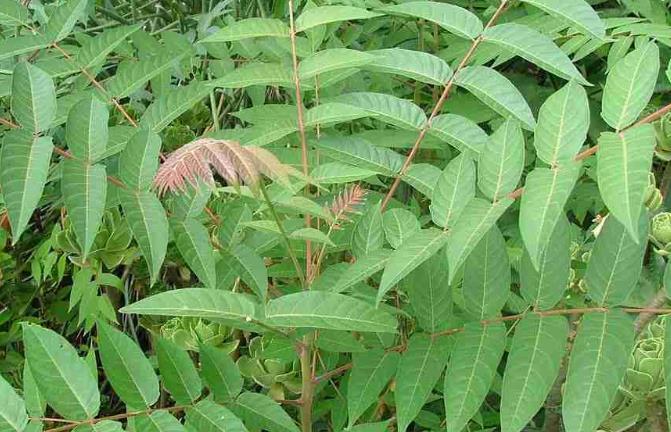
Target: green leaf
{"type": "Point", "coordinates": [147, 220]}
{"type": "Point", "coordinates": [430, 295]}
{"type": "Point", "coordinates": [158, 421]}
{"type": "Point", "coordinates": [132, 75]}
{"type": "Point", "coordinates": [332, 59]}
{"type": "Point", "coordinates": [250, 267]}
{"type": "Point", "coordinates": [535, 47]}
{"type": "Point", "coordinates": [371, 372]}
{"type": "Point", "coordinates": [138, 162]}
{"type": "Point", "coordinates": [615, 262]}
{"type": "Point", "coordinates": [460, 132]}
{"type": "Point", "coordinates": [455, 188]}
{"type": "Point", "coordinates": [416, 65]}
{"type": "Point", "coordinates": [387, 108]}
{"type": "Point", "coordinates": [64, 18]}
{"type": "Point", "coordinates": [193, 243]}
{"type": "Point", "coordinates": [471, 226]}
{"type": "Point", "coordinates": [131, 375]}
{"type": "Point", "coordinates": [416, 249]}
{"type": "Point", "coordinates": [597, 365]}
{"type": "Point", "coordinates": [501, 163]}
{"type": "Point", "coordinates": [362, 154]}
{"type": "Point", "coordinates": [61, 375]}
{"type": "Point", "coordinates": [13, 415]}
{"type": "Point", "coordinates": [363, 268]}
{"type": "Point", "coordinates": [418, 372]}
{"type": "Point", "coordinates": [33, 97]}
{"type": "Point", "coordinates": [171, 104]}
{"type": "Point", "coordinates": [249, 28]}
{"type": "Point", "coordinates": [317, 16]}
{"type": "Point", "coordinates": [475, 357]}
{"type": "Point", "coordinates": [667, 369]}
{"type": "Point", "coordinates": [311, 234]}
{"type": "Point", "coordinates": [101, 426]}
{"type": "Point", "coordinates": [86, 130]}
{"type": "Point", "coordinates": [24, 166]}
{"type": "Point", "coordinates": [545, 194]}
{"type": "Point", "coordinates": [192, 202]}
{"type": "Point", "coordinates": [497, 92]}
{"type": "Point", "coordinates": [256, 73]}
{"type": "Point", "coordinates": [220, 372]}
{"type": "Point", "coordinates": [423, 177]}
{"type": "Point", "coordinates": [339, 173]}
{"type": "Point", "coordinates": [399, 225]}
{"type": "Point", "coordinates": [535, 357]}
{"type": "Point", "coordinates": [486, 286]}
{"type": "Point", "coordinates": [24, 44]}
{"type": "Point", "coordinates": [544, 287]}
{"type": "Point", "coordinates": [261, 412]}
{"type": "Point", "coordinates": [34, 401]}
{"type": "Point", "coordinates": [368, 234]}
{"type": "Point", "coordinates": [178, 374]}
{"type": "Point", "coordinates": [332, 113]}
{"type": "Point", "coordinates": [452, 18]}
{"type": "Point", "coordinates": [563, 121]}
{"type": "Point", "coordinates": [623, 162]}
{"type": "Point", "coordinates": [13, 14]}
{"type": "Point", "coordinates": [319, 309]}
{"type": "Point", "coordinates": [577, 12]}
{"type": "Point", "coordinates": [95, 50]}
{"type": "Point", "coordinates": [84, 189]}
{"type": "Point", "coordinates": [207, 416]}
{"type": "Point", "coordinates": [629, 86]}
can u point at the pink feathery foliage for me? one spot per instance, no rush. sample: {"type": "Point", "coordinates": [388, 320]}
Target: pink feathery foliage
{"type": "Point", "coordinates": [347, 202]}
{"type": "Point", "coordinates": [236, 164]}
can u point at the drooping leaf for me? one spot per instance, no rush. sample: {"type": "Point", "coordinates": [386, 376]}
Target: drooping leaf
{"type": "Point", "coordinates": [207, 416]}
{"type": "Point", "coordinates": [390, 109]}
{"type": "Point", "coordinates": [171, 105]}
{"type": "Point", "coordinates": [95, 50]}
{"type": "Point", "coordinates": [220, 372]}
{"type": "Point", "coordinates": [178, 374]}
{"type": "Point", "coordinates": [61, 375]}
{"type": "Point", "coordinates": [629, 86]}
{"type": "Point", "coordinates": [460, 132]}
{"type": "Point", "coordinates": [13, 417]}
{"type": "Point", "coordinates": [578, 12]}
{"type": "Point", "coordinates": [371, 372]}
{"type": "Point", "coordinates": [399, 225]}
{"type": "Point", "coordinates": [486, 284]}
{"type": "Point", "coordinates": [563, 121]}
{"type": "Point", "coordinates": [193, 243]}
{"type": "Point", "coordinates": [454, 189]}
{"type": "Point", "coordinates": [132, 76]}
{"type": "Point", "coordinates": [416, 65]}
{"type": "Point", "coordinates": [597, 365]}
{"type": "Point", "coordinates": [363, 268]}
{"type": "Point", "coordinates": [534, 47]}
{"type": "Point", "coordinates": [362, 154]}
{"type": "Point", "coordinates": [475, 357]}
{"type": "Point", "coordinates": [452, 18]}
{"type": "Point", "coordinates": [333, 59]}
{"type": "Point", "coordinates": [320, 309]}
{"type": "Point", "coordinates": [501, 163]}
{"type": "Point", "coordinates": [249, 28]}
{"type": "Point", "coordinates": [261, 412]}
{"type": "Point", "coordinates": [497, 92]}
{"type": "Point", "coordinates": [33, 100]}
{"type": "Point", "coordinates": [368, 234]}
{"type": "Point", "coordinates": [138, 161]}
{"type": "Point", "coordinates": [86, 130]}
{"type": "Point", "coordinates": [63, 19]}
{"type": "Point", "coordinates": [317, 16]}
{"type": "Point", "coordinates": [623, 162]}
{"type": "Point", "coordinates": [250, 267]}
{"type": "Point", "coordinates": [535, 357]}
{"type": "Point", "coordinates": [430, 295]}
{"type": "Point", "coordinates": [418, 372]}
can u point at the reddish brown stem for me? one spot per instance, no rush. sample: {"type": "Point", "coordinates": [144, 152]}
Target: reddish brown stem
{"type": "Point", "coordinates": [121, 416]}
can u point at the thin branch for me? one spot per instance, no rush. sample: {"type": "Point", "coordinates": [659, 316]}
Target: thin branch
{"type": "Point", "coordinates": [643, 319]}
{"type": "Point", "coordinates": [335, 372]}
{"type": "Point", "coordinates": [121, 416]}
{"type": "Point", "coordinates": [8, 123]}
{"type": "Point", "coordinates": [439, 105]}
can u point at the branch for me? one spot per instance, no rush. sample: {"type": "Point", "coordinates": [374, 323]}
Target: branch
{"type": "Point", "coordinates": [439, 105]}
{"type": "Point", "coordinates": [121, 416]}
{"type": "Point", "coordinates": [335, 372]}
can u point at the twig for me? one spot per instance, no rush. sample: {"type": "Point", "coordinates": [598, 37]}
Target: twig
{"type": "Point", "coordinates": [644, 318]}
{"type": "Point", "coordinates": [335, 372]}
{"type": "Point", "coordinates": [8, 123]}
{"type": "Point", "coordinates": [121, 416]}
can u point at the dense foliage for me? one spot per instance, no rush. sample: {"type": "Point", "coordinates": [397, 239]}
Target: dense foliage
{"type": "Point", "coordinates": [356, 215]}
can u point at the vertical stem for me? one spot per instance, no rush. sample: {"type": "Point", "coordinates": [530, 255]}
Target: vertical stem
{"type": "Point", "coordinates": [307, 386]}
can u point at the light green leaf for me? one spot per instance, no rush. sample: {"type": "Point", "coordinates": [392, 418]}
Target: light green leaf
{"type": "Point", "coordinates": [197, 303]}
{"type": "Point", "coordinates": [455, 188]}
{"type": "Point", "coordinates": [101, 426]}
{"type": "Point", "coordinates": [250, 267]}
{"type": "Point", "coordinates": [371, 372]}
{"type": "Point", "coordinates": [256, 73]}
{"type": "Point", "coordinates": [33, 100]}
{"type": "Point", "coordinates": [61, 375]}
{"type": "Point", "coordinates": [13, 14]}
{"type": "Point", "coordinates": [64, 18]}
{"type": "Point", "coordinates": [24, 44]}
{"type": "Point", "coordinates": [399, 225]}
{"type": "Point", "coordinates": [86, 130]}
{"type": "Point", "coordinates": [387, 108]}
{"type": "Point", "coordinates": [475, 357]}
{"type": "Point", "coordinates": [423, 177]}
{"type": "Point", "coordinates": [474, 222]}
{"type": "Point", "coordinates": [667, 369]}
{"type": "Point", "coordinates": [545, 194]}
{"type": "Point", "coordinates": [178, 374]}
{"type": "Point", "coordinates": [171, 104]}
{"type": "Point", "coordinates": [629, 86]}
{"type": "Point", "coordinates": [429, 294]}
{"type": "Point", "coordinates": [545, 286]}
{"type": "Point", "coordinates": [320, 309]}
{"type": "Point", "coordinates": [368, 234]}
{"type": "Point", "coordinates": [138, 162]}
{"type": "Point", "coordinates": [623, 162]}
{"type": "Point", "coordinates": [13, 417]}
{"type": "Point", "coordinates": [147, 220]}
{"type": "Point", "coordinates": [84, 188]}
{"type": "Point", "coordinates": [416, 249]}
{"type": "Point", "coordinates": [193, 243]}
{"type": "Point", "coordinates": [220, 372]}
{"type": "Point", "coordinates": [158, 421]}
{"type": "Point", "coordinates": [501, 163]}
{"type": "Point", "coordinates": [24, 166]}
{"type": "Point", "coordinates": [486, 286]}
{"type": "Point", "coordinates": [249, 28]}
{"type": "Point", "coordinates": [332, 59]}
{"type": "Point", "coordinates": [452, 18]}
{"type": "Point", "coordinates": [615, 262]}
{"type": "Point", "coordinates": [535, 357]}
{"type": "Point", "coordinates": [332, 113]}
{"type": "Point", "coordinates": [317, 16]}
{"type": "Point", "coordinates": [535, 47]}
{"type": "Point", "coordinates": [207, 416]}
{"type": "Point", "coordinates": [261, 412]}
{"type": "Point", "coordinates": [311, 234]}
{"type": "Point", "coordinates": [362, 154]}
{"type": "Point", "coordinates": [416, 65]}
{"type": "Point", "coordinates": [339, 173]}
{"type": "Point", "coordinates": [94, 51]}
{"type": "Point", "coordinates": [497, 92]}
{"type": "Point", "coordinates": [129, 372]}
{"type": "Point", "coordinates": [192, 202]}
{"type": "Point", "coordinates": [597, 365]}
{"type": "Point", "coordinates": [363, 268]}
{"type": "Point", "coordinates": [460, 132]}
{"type": "Point", "coordinates": [578, 12]}
{"type": "Point", "coordinates": [418, 372]}
{"type": "Point", "coordinates": [132, 75]}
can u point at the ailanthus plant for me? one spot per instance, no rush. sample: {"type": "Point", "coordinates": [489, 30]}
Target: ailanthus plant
{"type": "Point", "coordinates": [335, 215]}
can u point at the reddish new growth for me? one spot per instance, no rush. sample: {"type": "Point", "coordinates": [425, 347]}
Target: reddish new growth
{"type": "Point", "coordinates": [346, 203]}
{"type": "Point", "coordinates": [236, 164]}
